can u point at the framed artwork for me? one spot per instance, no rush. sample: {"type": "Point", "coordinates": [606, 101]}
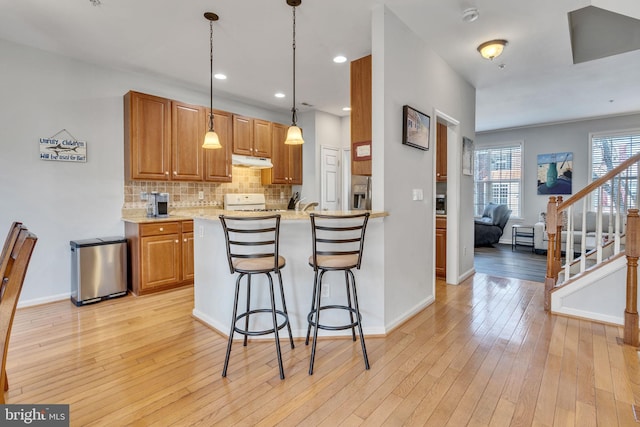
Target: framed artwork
{"type": "Point", "coordinates": [555, 171]}
{"type": "Point", "coordinates": [467, 156]}
{"type": "Point", "coordinates": [416, 127]}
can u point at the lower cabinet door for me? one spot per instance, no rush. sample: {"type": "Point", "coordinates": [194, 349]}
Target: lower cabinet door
{"type": "Point", "coordinates": [161, 257]}
{"type": "Point", "coordinates": [441, 252]}
{"type": "Point", "coordinates": [187, 257]}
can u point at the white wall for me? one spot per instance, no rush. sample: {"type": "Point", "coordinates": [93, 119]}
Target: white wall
{"type": "Point", "coordinates": [406, 71]}
{"type": "Point", "coordinates": [553, 138]}
{"type": "Point", "coordinates": [43, 93]}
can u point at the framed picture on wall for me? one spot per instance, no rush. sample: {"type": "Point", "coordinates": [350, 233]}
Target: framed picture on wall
{"type": "Point", "coordinates": [467, 156]}
{"type": "Point", "coordinates": [416, 127]}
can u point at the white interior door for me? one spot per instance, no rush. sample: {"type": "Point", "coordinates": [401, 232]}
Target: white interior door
{"type": "Point", "coordinates": [330, 178]}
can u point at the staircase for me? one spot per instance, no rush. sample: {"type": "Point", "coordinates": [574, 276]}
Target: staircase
{"type": "Point", "coordinates": [597, 263]}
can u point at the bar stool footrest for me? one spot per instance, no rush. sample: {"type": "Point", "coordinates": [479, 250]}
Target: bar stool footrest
{"type": "Point", "coordinates": [338, 327]}
{"type": "Point", "coordinates": [262, 332]}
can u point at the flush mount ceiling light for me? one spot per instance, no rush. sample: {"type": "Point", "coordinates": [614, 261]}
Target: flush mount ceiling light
{"type": "Point", "coordinates": [294, 133]}
{"type": "Point", "coordinates": [492, 49]}
{"type": "Point", "coordinates": [340, 59]}
{"type": "Point", "coordinates": [211, 140]}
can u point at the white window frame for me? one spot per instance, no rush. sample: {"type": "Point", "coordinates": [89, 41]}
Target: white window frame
{"type": "Point", "coordinates": [519, 197]}
{"type": "Point", "coordinates": [634, 132]}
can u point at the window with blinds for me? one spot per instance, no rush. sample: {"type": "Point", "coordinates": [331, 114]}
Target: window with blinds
{"type": "Point", "coordinates": [607, 152]}
{"type": "Point", "coordinates": [498, 177]}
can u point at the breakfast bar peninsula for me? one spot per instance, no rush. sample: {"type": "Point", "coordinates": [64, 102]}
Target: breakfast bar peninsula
{"type": "Point", "coordinates": [214, 285]}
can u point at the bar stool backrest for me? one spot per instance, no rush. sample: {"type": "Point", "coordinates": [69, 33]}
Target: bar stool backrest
{"type": "Point", "coordinates": [252, 238]}
{"type": "Point", "coordinates": [338, 235]}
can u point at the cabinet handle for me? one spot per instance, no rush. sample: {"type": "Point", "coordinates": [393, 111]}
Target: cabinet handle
{"type": "Point", "coordinates": [177, 241]}
{"type": "Point", "coordinates": [185, 240]}
{"type": "Point", "coordinates": [175, 173]}
{"type": "Point", "coordinates": [166, 173]}
{"type": "Point", "coordinates": [161, 228]}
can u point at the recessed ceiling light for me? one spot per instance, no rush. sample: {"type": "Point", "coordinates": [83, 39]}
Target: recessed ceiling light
{"type": "Point", "coordinates": [279, 95]}
{"type": "Point", "coordinates": [346, 109]}
{"type": "Point", "coordinates": [340, 59]}
{"type": "Point", "coordinates": [220, 76]}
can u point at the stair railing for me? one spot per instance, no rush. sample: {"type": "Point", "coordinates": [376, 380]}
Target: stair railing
{"type": "Point", "coordinates": [615, 193]}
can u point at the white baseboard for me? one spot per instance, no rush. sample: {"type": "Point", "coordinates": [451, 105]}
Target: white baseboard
{"type": "Point", "coordinates": [44, 300]}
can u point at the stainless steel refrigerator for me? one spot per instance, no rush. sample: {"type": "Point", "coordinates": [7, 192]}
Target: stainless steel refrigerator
{"type": "Point", "coordinates": [360, 197]}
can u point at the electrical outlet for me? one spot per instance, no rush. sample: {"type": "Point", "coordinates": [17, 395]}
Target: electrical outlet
{"type": "Point", "coordinates": [201, 231]}
{"type": "Point", "coordinates": [144, 195]}
{"type": "Point", "coordinates": [200, 195]}
{"type": "Point", "coordinates": [326, 291]}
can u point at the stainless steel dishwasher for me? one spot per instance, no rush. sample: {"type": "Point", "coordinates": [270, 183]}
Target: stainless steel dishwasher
{"type": "Point", "coordinates": [98, 269]}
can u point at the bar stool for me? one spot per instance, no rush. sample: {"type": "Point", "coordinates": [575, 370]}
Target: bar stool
{"type": "Point", "coordinates": [337, 246]}
{"type": "Point", "coordinates": [252, 248]}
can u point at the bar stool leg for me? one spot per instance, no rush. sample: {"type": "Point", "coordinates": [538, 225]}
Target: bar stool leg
{"type": "Point", "coordinates": [318, 292]}
{"type": "Point", "coordinates": [358, 319]}
{"type": "Point", "coordinates": [284, 308]}
{"type": "Point", "coordinates": [313, 306]}
{"type": "Point", "coordinates": [275, 325]}
{"type": "Point", "coordinates": [233, 326]}
{"type": "Point", "coordinates": [346, 281]}
{"type": "Point", "coordinates": [246, 319]}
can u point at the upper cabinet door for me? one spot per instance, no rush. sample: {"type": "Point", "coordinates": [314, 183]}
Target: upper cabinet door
{"type": "Point", "coordinates": [242, 135]}
{"type": "Point", "coordinates": [261, 138]}
{"type": "Point", "coordinates": [218, 162]}
{"type": "Point", "coordinates": [147, 137]}
{"type": "Point", "coordinates": [187, 135]}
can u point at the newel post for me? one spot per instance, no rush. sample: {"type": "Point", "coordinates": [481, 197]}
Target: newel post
{"type": "Point", "coordinates": [550, 278]}
{"type": "Point", "coordinates": [632, 249]}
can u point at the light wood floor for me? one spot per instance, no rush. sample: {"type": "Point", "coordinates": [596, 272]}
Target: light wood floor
{"type": "Point", "coordinates": [485, 353]}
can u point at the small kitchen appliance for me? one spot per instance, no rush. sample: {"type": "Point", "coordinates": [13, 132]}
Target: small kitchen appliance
{"type": "Point", "coordinates": [158, 205]}
{"type": "Point", "coordinates": [246, 202]}
{"type": "Point", "coordinates": [441, 204]}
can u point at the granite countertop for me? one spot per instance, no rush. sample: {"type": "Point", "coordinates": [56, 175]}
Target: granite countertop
{"type": "Point", "coordinates": [138, 216]}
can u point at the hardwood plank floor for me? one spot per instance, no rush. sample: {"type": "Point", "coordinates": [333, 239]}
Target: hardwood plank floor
{"type": "Point", "coordinates": [500, 260]}
{"type": "Point", "coordinates": [484, 354]}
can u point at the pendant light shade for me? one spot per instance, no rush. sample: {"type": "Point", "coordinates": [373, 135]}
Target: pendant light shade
{"type": "Point", "coordinates": [294, 134]}
{"type": "Point", "coordinates": [211, 140]}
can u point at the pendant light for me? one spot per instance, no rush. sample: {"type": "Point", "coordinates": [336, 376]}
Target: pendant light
{"type": "Point", "coordinates": [211, 140]}
{"type": "Point", "coordinates": [294, 133]}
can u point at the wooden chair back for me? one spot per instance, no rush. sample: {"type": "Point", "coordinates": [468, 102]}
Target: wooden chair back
{"type": "Point", "coordinates": [13, 279]}
{"type": "Point", "coordinates": [5, 257]}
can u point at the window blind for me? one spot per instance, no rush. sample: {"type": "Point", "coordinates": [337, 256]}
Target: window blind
{"type": "Point", "coordinates": [498, 177]}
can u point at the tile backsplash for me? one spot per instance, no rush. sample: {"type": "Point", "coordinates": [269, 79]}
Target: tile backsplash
{"type": "Point", "coordinates": [185, 194]}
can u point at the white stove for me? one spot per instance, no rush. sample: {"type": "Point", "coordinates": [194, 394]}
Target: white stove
{"type": "Point", "coordinates": [245, 202]}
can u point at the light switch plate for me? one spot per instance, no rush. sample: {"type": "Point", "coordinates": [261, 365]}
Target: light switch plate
{"type": "Point", "coordinates": [418, 194]}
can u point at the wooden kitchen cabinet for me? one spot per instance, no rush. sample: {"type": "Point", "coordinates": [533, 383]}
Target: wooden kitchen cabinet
{"type": "Point", "coordinates": [360, 85]}
{"type": "Point", "coordinates": [286, 159]}
{"type": "Point", "coordinates": [161, 255]}
{"type": "Point", "coordinates": [217, 163]}
{"type": "Point", "coordinates": [163, 139]}
{"type": "Point", "coordinates": [187, 133]}
{"type": "Point", "coordinates": [251, 137]}
{"type": "Point", "coordinates": [441, 153]}
{"type": "Point", "coordinates": [441, 247]}
{"type": "Point", "coordinates": [147, 138]}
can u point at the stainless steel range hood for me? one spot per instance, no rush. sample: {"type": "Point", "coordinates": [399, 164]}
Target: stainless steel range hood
{"type": "Point", "coordinates": [251, 162]}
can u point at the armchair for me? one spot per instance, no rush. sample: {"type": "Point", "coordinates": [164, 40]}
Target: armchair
{"type": "Point", "coordinates": [489, 228]}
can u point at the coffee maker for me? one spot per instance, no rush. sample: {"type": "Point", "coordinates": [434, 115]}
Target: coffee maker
{"type": "Point", "coordinates": [158, 205]}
